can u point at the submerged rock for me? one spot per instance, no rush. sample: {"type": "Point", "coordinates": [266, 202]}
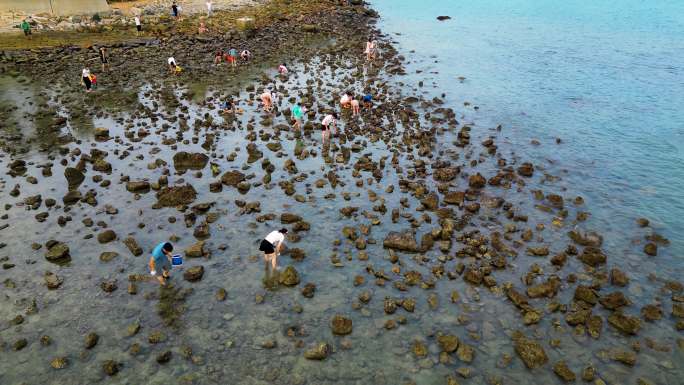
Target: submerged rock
{"type": "Point", "coordinates": [59, 362]}
{"type": "Point", "coordinates": [341, 325]}
{"type": "Point", "coordinates": [106, 236]}
{"type": "Point", "coordinates": [563, 371]}
{"type": "Point", "coordinates": [624, 323]}
{"type": "Point", "coordinates": [289, 276]}
{"type": "Point", "coordinates": [57, 253]}
{"type": "Point", "coordinates": [449, 343]}
{"type": "Point", "coordinates": [319, 352]}
{"type": "Point", "coordinates": [110, 367]}
{"type": "Point", "coordinates": [194, 273]}
{"type": "Point", "coordinates": [196, 250]}
{"type": "Point", "coordinates": [176, 196]}
{"type": "Point", "coordinates": [133, 246]}
{"type": "Point", "coordinates": [52, 281]}
{"type": "Point", "coordinates": [91, 340]}
{"type": "Point", "coordinates": [592, 256]}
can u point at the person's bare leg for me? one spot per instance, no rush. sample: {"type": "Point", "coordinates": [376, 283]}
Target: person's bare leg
{"type": "Point", "coordinates": [274, 262]}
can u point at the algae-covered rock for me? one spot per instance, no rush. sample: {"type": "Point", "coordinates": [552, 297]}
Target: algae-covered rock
{"type": "Point", "coordinates": [176, 196]}
{"type": "Point", "coordinates": [194, 273]}
{"type": "Point", "coordinates": [289, 276]}
{"type": "Point", "coordinates": [341, 325]}
{"type": "Point", "coordinates": [530, 351]}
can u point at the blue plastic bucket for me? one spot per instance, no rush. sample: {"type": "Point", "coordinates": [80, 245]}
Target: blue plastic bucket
{"type": "Point", "coordinates": [177, 260]}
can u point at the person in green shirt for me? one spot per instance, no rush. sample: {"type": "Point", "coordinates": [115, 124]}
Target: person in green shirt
{"type": "Point", "coordinates": [297, 115]}
{"type": "Point", "coordinates": [26, 27]}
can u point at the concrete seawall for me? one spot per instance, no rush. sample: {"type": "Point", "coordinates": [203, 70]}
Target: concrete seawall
{"type": "Point", "coordinates": [54, 7]}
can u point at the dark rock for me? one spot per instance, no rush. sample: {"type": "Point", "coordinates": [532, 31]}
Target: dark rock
{"type": "Point", "coordinates": [72, 197]}
{"type": "Point", "coordinates": [592, 256]}
{"type": "Point", "coordinates": [196, 250]}
{"type": "Point", "coordinates": [319, 352]}
{"type": "Point", "coordinates": [194, 273]}
{"type": "Point", "coordinates": [19, 344]}
{"type": "Point", "coordinates": [52, 281]}
{"type": "Point", "coordinates": [561, 369]}
{"type": "Point", "coordinates": [526, 169]}
{"type": "Point", "coordinates": [586, 294]}
{"type": "Point", "coordinates": [138, 186]}
{"type": "Point", "coordinates": [108, 256]}
{"type": "Point", "coordinates": [449, 343]}
{"type": "Point", "coordinates": [110, 367]}
{"type": "Point", "coordinates": [91, 340]}
{"type": "Point", "coordinates": [404, 241]}
{"type": "Point", "coordinates": [624, 323]}
{"type": "Point", "coordinates": [133, 246]}
{"type": "Point", "coordinates": [341, 325]}
{"type": "Point", "coordinates": [59, 362]}
{"type": "Point", "coordinates": [289, 276]}
{"type": "Point", "coordinates": [530, 351]}
{"type": "Point", "coordinates": [106, 236]}
{"type": "Point", "coordinates": [74, 177]}
{"type": "Point", "coordinates": [651, 249]}
{"type": "Point", "coordinates": [232, 178]}
{"type": "Point", "coordinates": [176, 196]}
{"type": "Point", "coordinates": [58, 252]}
{"type": "Point", "coordinates": [164, 357]}
{"type": "Point", "coordinates": [287, 218]}
{"type": "Point", "coordinates": [309, 290]}
{"type": "Point", "coordinates": [445, 174]}
{"type": "Point", "coordinates": [651, 313]}
{"type": "Point", "coordinates": [189, 161]}
{"type": "Point", "coordinates": [618, 277]}
{"type": "Point", "coordinates": [614, 301]}
{"type": "Point", "coordinates": [109, 286]}
{"type": "Point", "coordinates": [477, 181]}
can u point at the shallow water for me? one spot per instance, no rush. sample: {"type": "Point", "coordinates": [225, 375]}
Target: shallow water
{"type": "Point", "coordinates": [607, 78]}
{"type": "Point", "coordinates": [226, 337]}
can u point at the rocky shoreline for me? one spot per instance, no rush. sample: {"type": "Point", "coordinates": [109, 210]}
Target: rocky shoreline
{"type": "Point", "coordinates": [421, 250]}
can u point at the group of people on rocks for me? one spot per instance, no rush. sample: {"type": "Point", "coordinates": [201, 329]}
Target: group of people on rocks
{"type": "Point", "coordinates": [231, 56]}
{"type": "Point", "coordinates": [160, 261]}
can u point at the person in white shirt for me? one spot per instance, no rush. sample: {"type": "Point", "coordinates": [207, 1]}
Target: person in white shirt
{"type": "Point", "coordinates": [282, 69]}
{"type": "Point", "coordinates": [271, 246]}
{"type": "Point", "coordinates": [85, 79]}
{"type": "Point", "coordinates": [138, 25]}
{"type": "Point", "coordinates": [245, 55]}
{"type": "Point", "coordinates": [329, 121]}
{"type": "Point", "coordinates": [345, 100]}
{"type": "Point", "coordinates": [209, 5]}
{"type": "Point", "coordinates": [172, 64]}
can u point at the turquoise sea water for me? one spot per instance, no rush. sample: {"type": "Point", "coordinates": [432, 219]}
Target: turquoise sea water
{"type": "Point", "coordinates": [605, 77]}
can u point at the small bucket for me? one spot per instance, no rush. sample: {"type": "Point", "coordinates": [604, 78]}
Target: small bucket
{"type": "Point", "coordinates": [177, 260]}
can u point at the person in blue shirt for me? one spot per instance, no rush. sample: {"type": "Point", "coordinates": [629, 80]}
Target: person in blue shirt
{"type": "Point", "coordinates": [160, 261]}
